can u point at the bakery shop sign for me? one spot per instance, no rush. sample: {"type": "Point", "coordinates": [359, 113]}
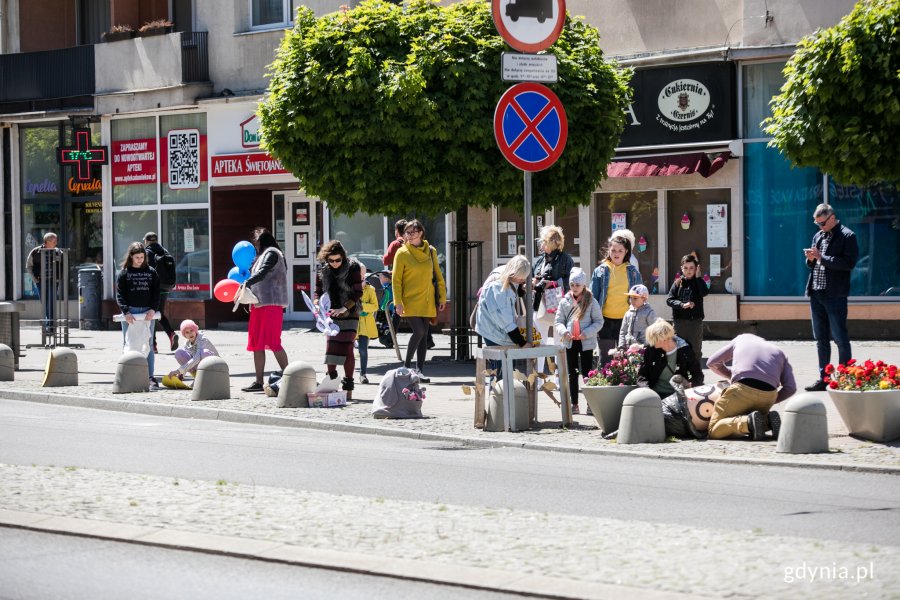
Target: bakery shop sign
{"type": "Point", "coordinates": [677, 105]}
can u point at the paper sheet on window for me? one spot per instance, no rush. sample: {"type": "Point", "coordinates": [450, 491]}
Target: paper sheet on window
{"type": "Point", "coordinates": [501, 226]}
{"type": "Point", "coordinates": [511, 244]}
{"type": "Point", "coordinates": [716, 225]}
{"type": "Point", "coordinates": [188, 240]}
{"type": "Point", "coordinates": [715, 265]}
{"type": "Point", "coordinates": [618, 221]}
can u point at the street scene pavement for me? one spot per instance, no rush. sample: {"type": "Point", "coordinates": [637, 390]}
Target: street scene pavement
{"type": "Point", "coordinates": [554, 512]}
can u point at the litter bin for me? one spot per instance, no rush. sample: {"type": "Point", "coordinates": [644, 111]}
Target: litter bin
{"type": "Point", "coordinates": [90, 286]}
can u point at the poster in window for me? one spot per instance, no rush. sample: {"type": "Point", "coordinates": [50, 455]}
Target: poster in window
{"type": "Point", "coordinates": [511, 245]}
{"type": "Point", "coordinates": [716, 225]}
{"type": "Point", "coordinates": [189, 240]}
{"type": "Point", "coordinates": [300, 213]}
{"type": "Point", "coordinates": [618, 221]}
{"type": "Point", "coordinates": [301, 245]}
{"type": "Point", "coordinates": [715, 265]}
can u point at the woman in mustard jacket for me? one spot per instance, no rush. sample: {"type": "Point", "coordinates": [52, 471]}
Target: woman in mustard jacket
{"type": "Point", "coordinates": [367, 329]}
{"type": "Point", "coordinates": [419, 291]}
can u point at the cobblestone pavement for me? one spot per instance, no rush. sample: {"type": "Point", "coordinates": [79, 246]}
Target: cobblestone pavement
{"type": "Point", "coordinates": [448, 408]}
{"type": "Point", "coordinates": [737, 563]}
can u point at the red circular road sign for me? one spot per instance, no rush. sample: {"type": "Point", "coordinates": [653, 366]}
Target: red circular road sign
{"type": "Point", "coordinates": [530, 126]}
{"type": "Point", "coordinates": [529, 25]}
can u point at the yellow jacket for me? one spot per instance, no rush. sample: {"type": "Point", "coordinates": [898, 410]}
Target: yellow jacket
{"type": "Point", "coordinates": [369, 304]}
{"type": "Point", "coordinates": [412, 275]}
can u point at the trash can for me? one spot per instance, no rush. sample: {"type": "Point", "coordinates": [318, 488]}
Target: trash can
{"type": "Point", "coordinates": [90, 286]}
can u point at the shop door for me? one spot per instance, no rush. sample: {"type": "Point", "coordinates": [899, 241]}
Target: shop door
{"type": "Point", "coordinates": [300, 226]}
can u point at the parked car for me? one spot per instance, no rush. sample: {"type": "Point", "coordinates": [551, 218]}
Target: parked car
{"type": "Point", "coordinates": [193, 267]}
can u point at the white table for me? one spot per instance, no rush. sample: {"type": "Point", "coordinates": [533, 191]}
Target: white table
{"type": "Point", "coordinates": [507, 354]}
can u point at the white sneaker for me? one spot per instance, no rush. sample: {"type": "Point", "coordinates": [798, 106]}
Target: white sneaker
{"type": "Point", "coordinates": [154, 387]}
{"type": "Point", "coordinates": [422, 378]}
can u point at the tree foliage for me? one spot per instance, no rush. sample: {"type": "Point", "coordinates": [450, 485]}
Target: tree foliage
{"type": "Point", "coordinates": [387, 108]}
{"type": "Point", "coordinates": [840, 107]}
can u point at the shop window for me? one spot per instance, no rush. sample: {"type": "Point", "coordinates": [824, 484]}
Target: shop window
{"type": "Point", "coordinates": [637, 211]}
{"type": "Point", "coordinates": [185, 234]}
{"type": "Point", "coordinates": [567, 219]}
{"type": "Point", "coordinates": [183, 159]}
{"type": "Point", "coordinates": [362, 236]}
{"type": "Point", "coordinates": [128, 227]}
{"type": "Point", "coordinates": [40, 172]}
{"type": "Point", "coordinates": [133, 161]}
{"type": "Point", "coordinates": [699, 223]}
{"type": "Point", "coordinates": [269, 13]}
{"type": "Point", "coordinates": [873, 214]}
{"type": "Point", "coordinates": [779, 201]}
{"type": "Point", "coordinates": [760, 83]}
{"type": "Point", "coordinates": [38, 218]}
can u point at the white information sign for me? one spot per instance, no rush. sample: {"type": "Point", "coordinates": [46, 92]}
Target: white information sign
{"type": "Point", "coordinates": [188, 240]}
{"type": "Point", "coordinates": [715, 265]}
{"type": "Point", "coordinates": [716, 225]}
{"type": "Point", "coordinates": [528, 67]}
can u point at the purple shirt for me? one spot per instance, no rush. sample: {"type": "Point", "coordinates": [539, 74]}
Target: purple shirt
{"type": "Point", "coordinates": [755, 358]}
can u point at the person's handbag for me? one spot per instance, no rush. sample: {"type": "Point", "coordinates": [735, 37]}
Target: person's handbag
{"type": "Point", "coordinates": [244, 295]}
{"type": "Point", "coordinates": [552, 297]}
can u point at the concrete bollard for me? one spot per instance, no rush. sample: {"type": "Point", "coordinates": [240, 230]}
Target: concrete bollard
{"type": "Point", "coordinates": [131, 374]}
{"type": "Point", "coordinates": [62, 368]}
{"type": "Point", "coordinates": [298, 379]}
{"type": "Point", "coordinates": [642, 418]}
{"type": "Point", "coordinates": [212, 381]}
{"type": "Point", "coordinates": [496, 409]}
{"type": "Point", "coordinates": [804, 426]}
{"type": "Point", "coordinates": [7, 363]}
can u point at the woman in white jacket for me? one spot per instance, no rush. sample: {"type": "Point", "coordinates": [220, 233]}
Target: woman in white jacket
{"type": "Point", "coordinates": [578, 319]}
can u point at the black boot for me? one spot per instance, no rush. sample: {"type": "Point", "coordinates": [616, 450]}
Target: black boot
{"type": "Point", "coordinates": [347, 386]}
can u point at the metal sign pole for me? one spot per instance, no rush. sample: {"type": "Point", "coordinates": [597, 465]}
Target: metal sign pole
{"type": "Point", "coordinates": [529, 254]}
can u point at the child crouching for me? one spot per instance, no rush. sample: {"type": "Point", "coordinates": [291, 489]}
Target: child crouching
{"type": "Point", "coordinates": [196, 347]}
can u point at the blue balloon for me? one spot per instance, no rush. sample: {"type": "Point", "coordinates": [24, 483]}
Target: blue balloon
{"type": "Point", "coordinates": [238, 274]}
{"type": "Point", "coordinates": [243, 254]}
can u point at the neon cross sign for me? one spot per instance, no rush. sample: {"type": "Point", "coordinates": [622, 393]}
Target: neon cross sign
{"type": "Point", "coordinates": [82, 154]}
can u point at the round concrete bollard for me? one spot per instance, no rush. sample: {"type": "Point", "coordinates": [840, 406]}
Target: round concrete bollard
{"type": "Point", "coordinates": [7, 363]}
{"type": "Point", "coordinates": [62, 368]}
{"type": "Point", "coordinates": [496, 409]}
{"type": "Point", "coordinates": [298, 379]}
{"type": "Point", "coordinates": [804, 426]}
{"type": "Point", "coordinates": [131, 374]}
{"type": "Point", "coordinates": [212, 381]}
{"type": "Point", "coordinates": [642, 419]}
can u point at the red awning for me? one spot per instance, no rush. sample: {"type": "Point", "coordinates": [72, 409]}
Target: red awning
{"type": "Point", "coordinates": [664, 166]}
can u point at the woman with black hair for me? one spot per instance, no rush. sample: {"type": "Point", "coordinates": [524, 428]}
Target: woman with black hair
{"type": "Point", "coordinates": [268, 281]}
{"type": "Point", "coordinates": [342, 280]}
{"type": "Point", "coordinates": [137, 293]}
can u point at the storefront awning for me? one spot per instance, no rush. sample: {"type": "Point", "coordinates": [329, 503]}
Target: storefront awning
{"type": "Point", "coordinates": [670, 164]}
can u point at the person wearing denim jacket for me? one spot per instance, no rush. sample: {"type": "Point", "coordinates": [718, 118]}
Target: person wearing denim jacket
{"type": "Point", "coordinates": [610, 283]}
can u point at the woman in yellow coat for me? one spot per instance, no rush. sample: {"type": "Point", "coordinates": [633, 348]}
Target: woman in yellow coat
{"type": "Point", "coordinates": [367, 328]}
{"type": "Point", "coordinates": [419, 291]}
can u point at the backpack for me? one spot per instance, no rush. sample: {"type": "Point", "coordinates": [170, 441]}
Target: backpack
{"type": "Point", "coordinates": [165, 268]}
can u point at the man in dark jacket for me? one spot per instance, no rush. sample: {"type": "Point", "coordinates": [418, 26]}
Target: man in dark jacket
{"type": "Point", "coordinates": [830, 259]}
{"type": "Point", "coordinates": [35, 265]}
{"type": "Point", "coordinates": [667, 355]}
{"type": "Point", "coordinates": [154, 251]}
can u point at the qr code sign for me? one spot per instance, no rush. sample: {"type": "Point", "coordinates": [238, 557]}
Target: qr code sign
{"type": "Point", "coordinates": [184, 159]}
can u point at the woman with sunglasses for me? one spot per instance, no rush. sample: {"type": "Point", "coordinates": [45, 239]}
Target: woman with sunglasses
{"type": "Point", "coordinates": [341, 278]}
{"type": "Point", "coordinates": [419, 291]}
{"type": "Point", "coordinates": [268, 281]}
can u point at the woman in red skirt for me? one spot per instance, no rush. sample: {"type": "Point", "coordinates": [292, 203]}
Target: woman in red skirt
{"type": "Point", "coordinates": [268, 280]}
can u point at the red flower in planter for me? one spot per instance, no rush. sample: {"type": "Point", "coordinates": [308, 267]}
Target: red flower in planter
{"type": "Point", "coordinates": [870, 375]}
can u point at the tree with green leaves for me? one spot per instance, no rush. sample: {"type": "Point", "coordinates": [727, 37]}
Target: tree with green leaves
{"type": "Point", "coordinates": [840, 107]}
{"type": "Point", "coordinates": [388, 108]}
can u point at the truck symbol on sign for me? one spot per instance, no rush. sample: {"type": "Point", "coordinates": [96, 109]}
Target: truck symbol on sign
{"type": "Point", "coordinates": [535, 9]}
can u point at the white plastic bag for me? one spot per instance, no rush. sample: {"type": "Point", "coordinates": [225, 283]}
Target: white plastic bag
{"type": "Point", "coordinates": [137, 336]}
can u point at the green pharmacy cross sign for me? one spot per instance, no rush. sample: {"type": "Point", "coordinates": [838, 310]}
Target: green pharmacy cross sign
{"type": "Point", "coordinates": [82, 154]}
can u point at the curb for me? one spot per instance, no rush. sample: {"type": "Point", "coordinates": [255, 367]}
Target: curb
{"type": "Point", "coordinates": [480, 578]}
{"type": "Point", "coordinates": [236, 416]}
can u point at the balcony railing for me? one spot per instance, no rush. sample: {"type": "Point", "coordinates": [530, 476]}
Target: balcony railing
{"type": "Point", "coordinates": [34, 78]}
{"type": "Point", "coordinates": [194, 56]}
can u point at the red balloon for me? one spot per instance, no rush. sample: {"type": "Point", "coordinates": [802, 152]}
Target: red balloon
{"type": "Point", "coordinates": [225, 290]}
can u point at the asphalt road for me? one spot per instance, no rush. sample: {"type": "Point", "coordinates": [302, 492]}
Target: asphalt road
{"type": "Point", "coordinates": [812, 503]}
{"type": "Point", "coordinates": [43, 565]}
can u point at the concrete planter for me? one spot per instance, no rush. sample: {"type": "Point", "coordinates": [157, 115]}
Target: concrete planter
{"type": "Point", "coordinates": [606, 404]}
{"type": "Point", "coordinates": [871, 415]}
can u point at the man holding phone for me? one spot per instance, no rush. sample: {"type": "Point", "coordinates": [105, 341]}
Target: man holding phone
{"type": "Point", "coordinates": [830, 259]}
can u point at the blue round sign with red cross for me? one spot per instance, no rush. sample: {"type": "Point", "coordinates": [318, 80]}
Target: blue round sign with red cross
{"type": "Point", "coordinates": [530, 126]}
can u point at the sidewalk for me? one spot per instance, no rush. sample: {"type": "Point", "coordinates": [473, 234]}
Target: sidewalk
{"type": "Point", "coordinates": [449, 410]}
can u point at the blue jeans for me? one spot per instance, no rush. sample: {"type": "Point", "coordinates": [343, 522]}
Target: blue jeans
{"type": "Point", "coordinates": [829, 322]}
{"type": "Point", "coordinates": [151, 358]}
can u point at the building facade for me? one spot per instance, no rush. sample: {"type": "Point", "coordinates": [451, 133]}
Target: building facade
{"type": "Point", "coordinates": [176, 113]}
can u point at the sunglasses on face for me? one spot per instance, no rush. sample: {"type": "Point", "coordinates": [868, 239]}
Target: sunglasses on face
{"type": "Point", "coordinates": [334, 261]}
{"type": "Point", "coordinates": [822, 223]}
